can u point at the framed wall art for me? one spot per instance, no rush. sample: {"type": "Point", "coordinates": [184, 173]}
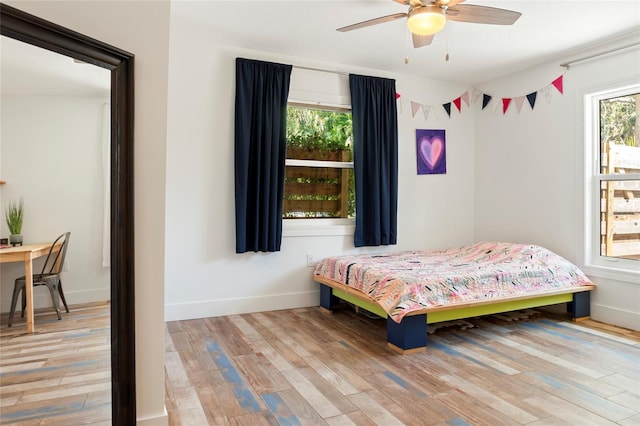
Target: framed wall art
{"type": "Point", "coordinates": [431, 151]}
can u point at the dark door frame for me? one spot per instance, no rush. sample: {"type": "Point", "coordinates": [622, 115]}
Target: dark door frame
{"type": "Point", "coordinates": [38, 32]}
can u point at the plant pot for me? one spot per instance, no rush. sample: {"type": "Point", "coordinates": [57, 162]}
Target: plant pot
{"type": "Point", "coordinates": [15, 240]}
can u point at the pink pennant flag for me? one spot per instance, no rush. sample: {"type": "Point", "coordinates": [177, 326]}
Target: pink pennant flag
{"type": "Point", "coordinates": [456, 102]}
{"type": "Point", "coordinates": [397, 95]}
{"type": "Point", "coordinates": [414, 108]}
{"type": "Point", "coordinates": [505, 104]}
{"type": "Point", "coordinates": [465, 97]}
{"type": "Point", "coordinates": [557, 83]}
{"type": "Point", "coordinates": [519, 101]}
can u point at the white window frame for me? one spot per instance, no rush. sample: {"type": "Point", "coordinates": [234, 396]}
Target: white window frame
{"type": "Point", "coordinates": [293, 227]}
{"type": "Point", "coordinates": [597, 264]}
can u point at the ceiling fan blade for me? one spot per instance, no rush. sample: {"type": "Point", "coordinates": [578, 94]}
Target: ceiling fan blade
{"type": "Point", "coordinates": [448, 3]}
{"type": "Point", "coordinates": [415, 3]}
{"type": "Point", "coordinates": [421, 40]}
{"type": "Point", "coordinates": [482, 14]}
{"type": "Point", "coordinates": [375, 21]}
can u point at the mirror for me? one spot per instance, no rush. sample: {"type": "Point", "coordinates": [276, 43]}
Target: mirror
{"type": "Point", "coordinates": [35, 31]}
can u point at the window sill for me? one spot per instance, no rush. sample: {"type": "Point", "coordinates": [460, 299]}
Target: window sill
{"type": "Point", "coordinates": [619, 274]}
{"type": "Point", "coordinates": [317, 227]}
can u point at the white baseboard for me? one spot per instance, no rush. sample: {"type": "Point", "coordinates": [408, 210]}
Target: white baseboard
{"type": "Point", "coordinates": [220, 307]}
{"type": "Point", "coordinates": [161, 420]}
{"type": "Point", "coordinates": [42, 298]}
{"type": "Point", "coordinates": [615, 316]}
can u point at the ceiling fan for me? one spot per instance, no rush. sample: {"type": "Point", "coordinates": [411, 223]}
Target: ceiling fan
{"type": "Point", "coordinates": [426, 17]}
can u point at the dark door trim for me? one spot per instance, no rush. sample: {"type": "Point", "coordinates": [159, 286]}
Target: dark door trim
{"type": "Point", "coordinates": [38, 32]}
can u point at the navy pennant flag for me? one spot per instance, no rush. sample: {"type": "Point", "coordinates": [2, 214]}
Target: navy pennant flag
{"type": "Point", "coordinates": [485, 100]}
{"type": "Point", "coordinates": [531, 97]}
{"type": "Point", "coordinates": [447, 107]}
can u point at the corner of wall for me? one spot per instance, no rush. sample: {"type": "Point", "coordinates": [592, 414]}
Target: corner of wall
{"type": "Point", "coordinates": [160, 420]}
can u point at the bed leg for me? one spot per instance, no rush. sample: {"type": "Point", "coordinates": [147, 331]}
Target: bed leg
{"type": "Point", "coordinates": [580, 307]}
{"type": "Point", "coordinates": [409, 336]}
{"type": "Point", "coordinates": [327, 300]}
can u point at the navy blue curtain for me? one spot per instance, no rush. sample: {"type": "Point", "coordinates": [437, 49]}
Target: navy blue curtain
{"type": "Point", "coordinates": [262, 89]}
{"type": "Point", "coordinates": [375, 159]}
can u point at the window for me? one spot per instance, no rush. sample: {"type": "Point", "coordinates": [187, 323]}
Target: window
{"type": "Point", "coordinates": [319, 166]}
{"type": "Point", "coordinates": [615, 189]}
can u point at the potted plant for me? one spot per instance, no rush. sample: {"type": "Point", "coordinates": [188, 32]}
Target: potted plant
{"type": "Point", "coordinates": [14, 216]}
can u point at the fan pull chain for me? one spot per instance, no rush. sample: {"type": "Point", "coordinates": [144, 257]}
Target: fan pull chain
{"type": "Point", "coordinates": [406, 48]}
{"type": "Point", "coordinates": [446, 36]}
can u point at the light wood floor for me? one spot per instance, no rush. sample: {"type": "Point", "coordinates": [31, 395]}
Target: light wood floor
{"type": "Point", "coordinates": [61, 374]}
{"type": "Point", "coordinates": [305, 367]}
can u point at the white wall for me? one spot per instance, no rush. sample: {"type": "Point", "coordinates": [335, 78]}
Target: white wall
{"type": "Point", "coordinates": [142, 28]}
{"type": "Point", "coordinates": [52, 159]}
{"type": "Point", "coordinates": [204, 276]}
{"type": "Point", "coordinates": [530, 171]}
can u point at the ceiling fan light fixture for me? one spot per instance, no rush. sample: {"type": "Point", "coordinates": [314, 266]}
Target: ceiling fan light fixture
{"type": "Point", "coordinates": [426, 20]}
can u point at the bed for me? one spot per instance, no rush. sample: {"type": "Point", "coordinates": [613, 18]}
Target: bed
{"type": "Point", "coordinates": [414, 288]}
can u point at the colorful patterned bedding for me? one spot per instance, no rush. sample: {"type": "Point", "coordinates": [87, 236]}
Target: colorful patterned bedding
{"type": "Point", "coordinates": [412, 280]}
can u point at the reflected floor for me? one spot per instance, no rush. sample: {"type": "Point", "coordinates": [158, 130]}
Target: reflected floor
{"type": "Point", "coordinates": [61, 374]}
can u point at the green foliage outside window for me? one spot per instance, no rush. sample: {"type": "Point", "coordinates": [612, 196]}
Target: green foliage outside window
{"type": "Point", "coordinates": [318, 129]}
{"type": "Point", "coordinates": [619, 120]}
{"type": "Point", "coordinates": [314, 134]}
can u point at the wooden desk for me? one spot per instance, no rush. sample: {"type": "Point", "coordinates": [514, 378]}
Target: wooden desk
{"type": "Point", "coordinates": [26, 254]}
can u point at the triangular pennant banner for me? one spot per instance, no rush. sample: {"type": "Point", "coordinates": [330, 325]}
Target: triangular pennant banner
{"type": "Point", "coordinates": [505, 104]}
{"type": "Point", "coordinates": [557, 83]}
{"type": "Point", "coordinates": [531, 97]}
{"type": "Point", "coordinates": [447, 107]}
{"type": "Point", "coordinates": [425, 111]}
{"type": "Point", "coordinates": [485, 100]}
{"type": "Point", "coordinates": [457, 103]}
{"type": "Point", "coordinates": [519, 101]}
{"type": "Point", "coordinates": [397, 95]}
{"type": "Point", "coordinates": [546, 91]}
{"type": "Point", "coordinates": [475, 94]}
{"type": "Point", "coordinates": [414, 108]}
{"type": "Point", "coordinates": [465, 97]}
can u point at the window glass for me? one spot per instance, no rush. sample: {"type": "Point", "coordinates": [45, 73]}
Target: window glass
{"type": "Point", "coordinates": [618, 181]}
{"type": "Point", "coordinates": [319, 166]}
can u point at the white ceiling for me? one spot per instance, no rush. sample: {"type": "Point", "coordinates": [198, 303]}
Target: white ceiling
{"type": "Point", "coordinates": [307, 29]}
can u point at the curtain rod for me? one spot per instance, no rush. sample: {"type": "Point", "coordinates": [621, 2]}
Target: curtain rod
{"type": "Point", "coordinates": [567, 65]}
{"type": "Point", "coordinates": [320, 70]}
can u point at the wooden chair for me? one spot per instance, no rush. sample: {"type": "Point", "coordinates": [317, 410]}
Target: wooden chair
{"type": "Point", "coordinates": [50, 277]}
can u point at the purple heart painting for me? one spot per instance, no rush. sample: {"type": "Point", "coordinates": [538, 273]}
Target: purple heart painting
{"type": "Point", "coordinates": [431, 152]}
